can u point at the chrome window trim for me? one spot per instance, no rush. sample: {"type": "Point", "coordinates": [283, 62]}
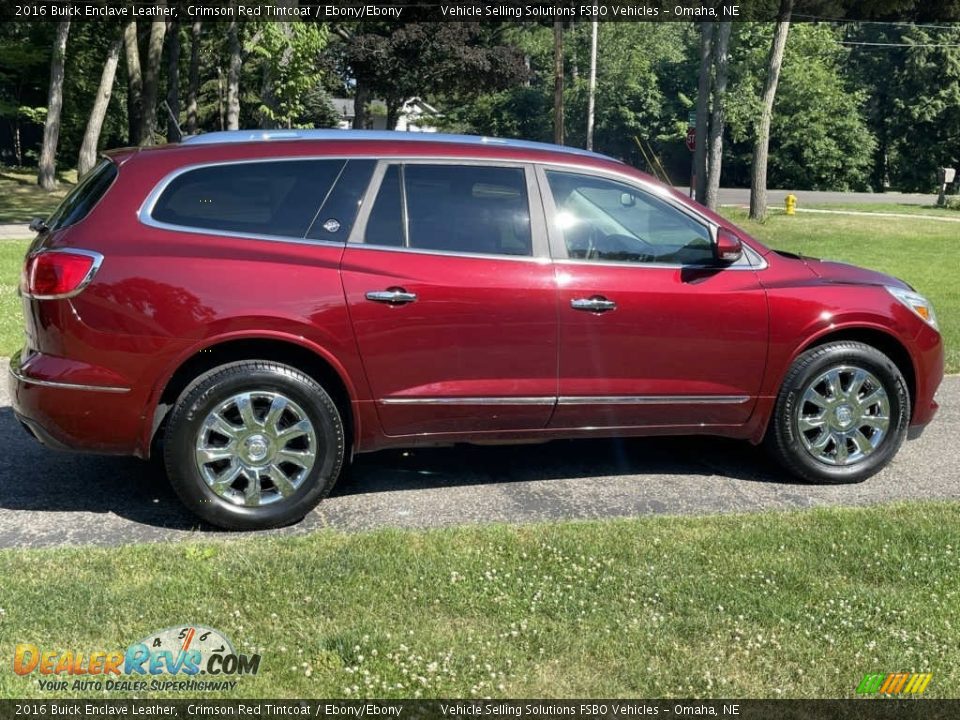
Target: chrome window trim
{"type": "Point", "coordinates": [21, 377]}
{"type": "Point", "coordinates": [558, 247]}
{"type": "Point", "coordinates": [145, 212]}
{"type": "Point", "coordinates": [540, 251]}
{"type": "Point", "coordinates": [87, 279]}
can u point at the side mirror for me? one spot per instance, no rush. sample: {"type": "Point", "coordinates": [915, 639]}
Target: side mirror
{"type": "Point", "coordinates": [729, 247]}
{"type": "Point", "coordinates": [627, 199]}
{"type": "Point", "coordinates": [38, 225]}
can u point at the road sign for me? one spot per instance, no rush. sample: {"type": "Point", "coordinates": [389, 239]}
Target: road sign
{"type": "Point", "coordinates": [692, 119]}
{"type": "Point", "coordinates": [691, 139]}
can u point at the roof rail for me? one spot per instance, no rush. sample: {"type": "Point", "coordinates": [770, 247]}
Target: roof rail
{"type": "Point", "coordinates": [242, 136]}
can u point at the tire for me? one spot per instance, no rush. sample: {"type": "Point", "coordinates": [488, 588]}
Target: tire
{"type": "Point", "coordinates": [239, 441]}
{"type": "Point", "coordinates": [807, 412]}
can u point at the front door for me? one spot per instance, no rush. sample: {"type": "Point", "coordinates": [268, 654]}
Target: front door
{"type": "Point", "coordinates": [652, 331]}
{"type": "Point", "coordinates": [452, 299]}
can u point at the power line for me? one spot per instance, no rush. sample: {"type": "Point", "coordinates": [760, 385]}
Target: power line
{"type": "Point", "coordinates": [906, 45]}
{"type": "Point", "coordinates": [900, 23]}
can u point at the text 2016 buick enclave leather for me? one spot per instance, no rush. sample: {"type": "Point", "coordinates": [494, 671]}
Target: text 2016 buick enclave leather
{"type": "Point", "coordinates": [254, 308]}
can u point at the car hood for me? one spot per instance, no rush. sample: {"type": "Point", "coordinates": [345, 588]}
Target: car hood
{"type": "Point", "coordinates": [844, 273]}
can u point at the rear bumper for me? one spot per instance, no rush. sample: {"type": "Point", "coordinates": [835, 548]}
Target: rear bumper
{"type": "Point", "coordinates": [70, 415]}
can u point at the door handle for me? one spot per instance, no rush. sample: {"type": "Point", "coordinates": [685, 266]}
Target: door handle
{"type": "Point", "coordinates": [392, 296]}
{"type": "Point", "coordinates": [597, 304]}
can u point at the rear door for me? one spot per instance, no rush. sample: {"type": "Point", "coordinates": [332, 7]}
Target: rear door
{"type": "Point", "coordinates": [452, 298]}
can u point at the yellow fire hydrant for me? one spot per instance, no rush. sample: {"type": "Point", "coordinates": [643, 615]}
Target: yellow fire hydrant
{"type": "Point", "coordinates": [791, 202]}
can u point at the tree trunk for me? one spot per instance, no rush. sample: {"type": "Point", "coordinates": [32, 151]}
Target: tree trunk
{"type": "Point", "coordinates": [233, 77]}
{"type": "Point", "coordinates": [51, 128]}
{"type": "Point", "coordinates": [393, 112]}
{"type": "Point", "coordinates": [91, 137]}
{"type": "Point", "coordinates": [134, 83]}
{"type": "Point", "coordinates": [193, 83]}
{"type": "Point", "coordinates": [721, 62]}
{"type": "Point", "coordinates": [761, 147]}
{"type": "Point", "coordinates": [151, 79]}
{"type": "Point", "coordinates": [361, 96]}
{"type": "Point", "coordinates": [592, 84]}
{"type": "Point", "coordinates": [173, 84]}
{"type": "Point", "coordinates": [558, 82]}
{"type": "Point", "coordinates": [703, 113]}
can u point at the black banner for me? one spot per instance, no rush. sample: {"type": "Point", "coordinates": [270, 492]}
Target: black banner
{"type": "Point", "coordinates": [854, 709]}
{"type": "Point", "coordinates": [472, 10]}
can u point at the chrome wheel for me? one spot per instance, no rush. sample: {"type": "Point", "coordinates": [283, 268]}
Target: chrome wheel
{"type": "Point", "coordinates": [256, 448]}
{"type": "Point", "coordinates": [843, 415]}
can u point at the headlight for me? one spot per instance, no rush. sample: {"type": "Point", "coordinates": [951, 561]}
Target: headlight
{"type": "Point", "coordinates": [916, 302]}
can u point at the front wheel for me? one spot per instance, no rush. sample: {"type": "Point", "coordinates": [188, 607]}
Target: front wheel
{"type": "Point", "coordinates": [841, 414]}
{"type": "Point", "coordinates": [254, 445]}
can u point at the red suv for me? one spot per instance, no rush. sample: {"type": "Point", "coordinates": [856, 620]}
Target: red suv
{"type": "Point", "coordinates": [255, 307]}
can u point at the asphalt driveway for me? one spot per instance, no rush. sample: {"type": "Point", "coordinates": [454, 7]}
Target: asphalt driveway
{"type": "Point", "coordinates": [49, 498]}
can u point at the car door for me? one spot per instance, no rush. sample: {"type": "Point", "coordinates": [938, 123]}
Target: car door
{"type": "Point", "coordinates": [652, 331]}
{"type": "Point", "coordinates": [452, 298]}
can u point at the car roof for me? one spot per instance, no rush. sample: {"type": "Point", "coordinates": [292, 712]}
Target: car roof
{"type": "Point", "coordinates": [247, 136]}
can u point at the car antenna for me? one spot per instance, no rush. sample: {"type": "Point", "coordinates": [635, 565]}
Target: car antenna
{"type": "Point", "coordinates": [174, 118]}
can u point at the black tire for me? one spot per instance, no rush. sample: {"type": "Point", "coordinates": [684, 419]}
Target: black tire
{"type": "Point", "coordinates": [218, 386]}
{"type": "Point", "coordinates": [783, 435]}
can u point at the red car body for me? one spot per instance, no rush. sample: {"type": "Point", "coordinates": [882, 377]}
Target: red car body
{"type": "Point", "coordinates": [100, 369]}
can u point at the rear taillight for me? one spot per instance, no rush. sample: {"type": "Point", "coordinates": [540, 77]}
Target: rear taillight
{"type": "Point", "coordinates": [54, 274]}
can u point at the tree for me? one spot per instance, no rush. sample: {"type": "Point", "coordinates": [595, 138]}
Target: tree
{"type": "Point", "coordinates": [289, 55]}
{"type": "Point", "coordinates": [173, 83]}
{"type": "Point", "coordinates": [398, 62]}
{"type": "Point", "coordinates": [134, 83]}
{"type": "Point", "coordinates": [193, 80]}
{"type": "Point", "coordinates": [721, 61]}
{"type": "Point", "coordinates": [91, 138]}
{"type": "Point", "coordinates": [761, 147]}
{"type": "Point", "coordinates": [151, 79]}
{"type": "Point", "coordinates": [46, 177]}
{"type": "Point", "coordinates": [703, 112]}
{"type": "Point", "coordinates": [24, 79]}
{"type": "Point", "coordinates": [233, 75]}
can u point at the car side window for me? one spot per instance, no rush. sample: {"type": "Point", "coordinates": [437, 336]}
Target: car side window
{"type": "Point", "coordinates": [475, 209]}
{"type": "Point", "coordinates": [260, 198]}
{"type": "Point", "coordinates": [605, 220]}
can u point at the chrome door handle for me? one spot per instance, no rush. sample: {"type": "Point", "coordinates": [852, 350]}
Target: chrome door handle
{"type": "Point", "coordinates": [597, 304]}
{"type": "Point", "coordinates": [392, 296]}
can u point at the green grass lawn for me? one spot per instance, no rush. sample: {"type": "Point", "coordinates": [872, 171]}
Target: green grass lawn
{"type": "Point", "coordinates": [924, 253]}
{"type": "Point", "coordinates": [796, 604]}
{"type": "Point", "coordinates": [890, 207]}
{"type": "Point", "coordinates": [11, 317]}
{"type": "Point", "coordinates": [21, 199]}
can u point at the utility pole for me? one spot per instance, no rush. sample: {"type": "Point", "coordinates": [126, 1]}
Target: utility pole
{"type": "Point", "coordinates": [558, 82]}
{"type": "Point", "coordinates": [592, 91]}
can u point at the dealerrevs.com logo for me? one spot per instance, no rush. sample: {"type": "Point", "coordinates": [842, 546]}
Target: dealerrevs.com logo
{"type": "Point", "coordinates": [186, 658]}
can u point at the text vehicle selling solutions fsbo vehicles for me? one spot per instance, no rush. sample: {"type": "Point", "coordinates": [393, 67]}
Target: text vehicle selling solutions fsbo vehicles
{"type": "Point", "coordinates": [253, 308]}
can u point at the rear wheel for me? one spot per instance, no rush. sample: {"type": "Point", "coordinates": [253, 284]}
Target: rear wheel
{"type": "Point", "coordinates": [254, 445]}
{"type": "Point", "coordinates": [841, 415]}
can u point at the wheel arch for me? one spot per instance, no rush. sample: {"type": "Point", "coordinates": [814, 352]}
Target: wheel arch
{"type": "Point", "coordinates": [324, 369]}
{"type": "Point", "coordinates": [882, 340]}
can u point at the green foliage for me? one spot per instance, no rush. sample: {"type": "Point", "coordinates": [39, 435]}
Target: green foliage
{"type": "Point", "coordinates": [819, 137]}
{"type": "Point", "coordinates": [288, 55]}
